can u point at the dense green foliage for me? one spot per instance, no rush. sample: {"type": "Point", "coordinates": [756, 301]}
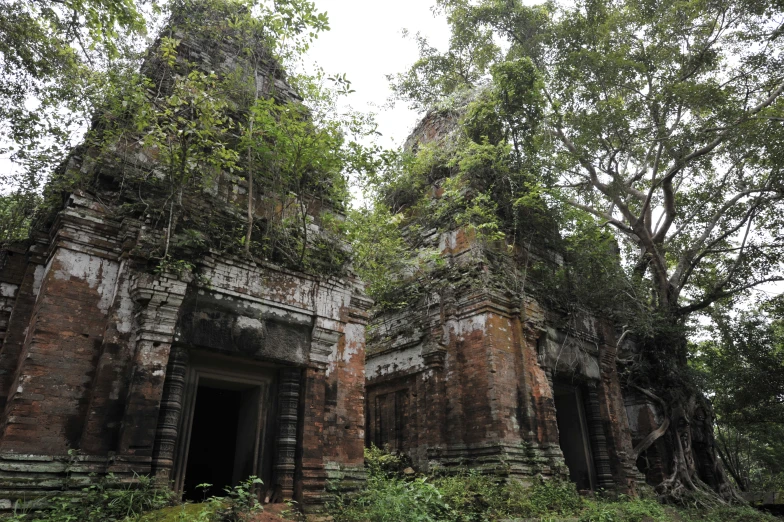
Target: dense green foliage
{"type": "Point", "coordinates": [459, 180]}
{"type": "Point", "coordinates": [105, 500]}
{"type": "Point", "coordinates": [108, 500]}
{"type": "Point", "coordinates": [649, 126]}
{"type": "Point", "coordinates": [742, 367]}
{"type": "Point", "coordinates": [661, 119]}
{"type": "Point", "coordinates": [56, 57]}
{"type": "Point", "coordinates": [392, 496]}
{"type": "Point", "coordinates": [164, 125]}
{"type": "Point", "coordinates": [655, 127]}
{"type": "Point", "coordinates": [169, 129]}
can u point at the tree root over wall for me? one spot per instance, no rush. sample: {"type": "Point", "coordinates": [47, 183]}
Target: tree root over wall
{"type": "Point", "coordinates": [696, 476]}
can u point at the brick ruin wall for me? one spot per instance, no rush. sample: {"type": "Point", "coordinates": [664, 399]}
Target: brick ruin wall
{"type": "Point", "coordinates": [466, 376]}
{"type": "Point", "coordinates": [466, 379]}
{"type": "Point", "coordinates": [99, 355]}
{"type": "Point", "coordinates": [88, 336]}
{"type": "Point", "coordinates": [102, 354]}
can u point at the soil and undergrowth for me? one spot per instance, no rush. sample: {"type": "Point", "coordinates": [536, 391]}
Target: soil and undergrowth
{"type": "Point", "coordinates": [394, 493]}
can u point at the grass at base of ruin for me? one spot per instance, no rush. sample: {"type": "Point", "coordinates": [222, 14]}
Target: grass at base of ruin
{"type": "Point", "coordinates": [394, 496]}
{"type": "Point", "coordinates": [393, 493]}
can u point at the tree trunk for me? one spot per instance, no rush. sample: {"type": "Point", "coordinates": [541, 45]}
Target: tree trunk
{"type": "Point", "coordinates": [689, 458]}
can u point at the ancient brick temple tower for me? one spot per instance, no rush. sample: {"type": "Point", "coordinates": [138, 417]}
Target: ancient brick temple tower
{"type": "Point", "coordinates": [474, 375]}
{"type": "Point", "coordinates": [224, 368]}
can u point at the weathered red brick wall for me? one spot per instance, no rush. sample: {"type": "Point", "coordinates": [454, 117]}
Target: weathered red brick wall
{"type": "Point", "coordinates": [109, 389]}
{"type": "Point", "coordinates": [48, 399]}
{"type": "Point", "coordinates": [311, 475]}
{"type": "Point", "coordinates": [476, 400]}
{"type": "Point", "coordinates": [478, 373]}
{"type": "Point", "coordinates": [537, 409]}
{"type": "Point", "coordinates": [88, 327]}
{"type": "Point", "coordinates": [344, 435]}
{"type": "Point", "coordinates": [93, 336]}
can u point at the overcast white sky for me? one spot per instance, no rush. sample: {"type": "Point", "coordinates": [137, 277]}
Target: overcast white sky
{"type": "Point", "coordinates": [366, 43]}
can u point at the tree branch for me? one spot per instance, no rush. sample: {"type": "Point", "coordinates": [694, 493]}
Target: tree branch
{"type": "Point", "coordinates": [714, 296]}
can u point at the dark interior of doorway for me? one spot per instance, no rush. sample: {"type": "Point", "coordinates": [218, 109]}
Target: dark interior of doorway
{"type": "Point", "coordinates": [213, 439]}
{"type": "Point", "coordinates": [573, 436]}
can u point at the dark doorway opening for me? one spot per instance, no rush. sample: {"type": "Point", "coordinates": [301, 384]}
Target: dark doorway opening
{"type": "Point", "coordinates": [391, 410]}
{"type": "Point", "coordinates": [216, 417]}
{"type": "Point", "coordinates": [573, 436]}
{"type": "Point", "coordinates": [226, 427]}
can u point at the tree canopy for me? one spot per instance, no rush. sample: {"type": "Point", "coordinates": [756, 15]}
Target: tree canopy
{"type": "Point", "coordinates": [64, 63]}
{"type": "Point", "coordinates": [663, 120]}
{"type": "Point", "coordinates": [656, 123]}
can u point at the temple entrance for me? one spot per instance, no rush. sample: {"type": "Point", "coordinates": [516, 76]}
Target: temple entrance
{"type": "Point", "coordinates": [573, 435]}
{"type": "Point", "coordinates": [227, 428]}
{"type": "Point", "coordinates": [390, 415]}
{"type": "Point", "coordinates": [211, 456]}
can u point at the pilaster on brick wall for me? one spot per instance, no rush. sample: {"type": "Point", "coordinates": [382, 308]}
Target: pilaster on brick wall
{"type": "Point", "coordinates": [359, 306]}
{"type": "Point", "coordinates": [311, 475]}
{"type": "Point", "coordinates": [331, 430]}
{"type": "Point", "coordinates": [45, 409]}
{"type": "Point", "coordinates": [286, 438]}
{"type": "Point", "coordinates": [110, 384]}
{"type": "Point", "coordinates": [169, 415]}
{"type": "Point", "coordinates": [158, 299]}
{"type": "Point", "coordinates": [323, 341]}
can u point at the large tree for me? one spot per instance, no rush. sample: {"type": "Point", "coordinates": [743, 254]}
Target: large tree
{"type": "Point", "coordinates": [56, 58]}
{"type": "Point", "coordinates": [62, 62]}
{"type": "Point", "coordinates": [665, 121]}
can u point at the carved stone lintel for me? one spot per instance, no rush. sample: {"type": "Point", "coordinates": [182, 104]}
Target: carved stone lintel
{"type": "Point", "coordinates": [601, 456]}
{"type": "Point", "coordinates": [288, 406]}
{"type": "Point", "coordinates": [169, 416]}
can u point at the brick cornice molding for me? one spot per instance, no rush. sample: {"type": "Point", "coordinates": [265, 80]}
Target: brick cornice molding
{"type": "Point", "coordinates": [322, 344]}
{"type": "Point", "coordinates": [487, 301]}
{"type": "Point", "coordinates": [359, 311]}
{"type": "Point", "coordinates": [159, 298]}
{"type": "Point", "coordinates": [85, 226]}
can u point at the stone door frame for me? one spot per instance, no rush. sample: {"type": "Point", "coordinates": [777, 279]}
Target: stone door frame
{"type": "Point", "coordinates": [231, 371]}
{"type": "Point", "coordinates": [579, 396]}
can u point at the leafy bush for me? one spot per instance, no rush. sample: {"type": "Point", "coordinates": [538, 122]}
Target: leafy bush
{"type": "Point", "coordinates": [240, 501]}
{"type": "Point", "coordinates": [383, 463]}
{"type": "Point", "coordinates": [467, 496]}
{"type": "Point", "coordinates": [394, 500]}
{"type": "Point", "coordinates": [107, 501]}
{"type": "Point", "coordinates": [392, 495]}
{"type": "Point", "coordinates": [471, 496]}
{"type": "Point", "coordinates": [551, 497]}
